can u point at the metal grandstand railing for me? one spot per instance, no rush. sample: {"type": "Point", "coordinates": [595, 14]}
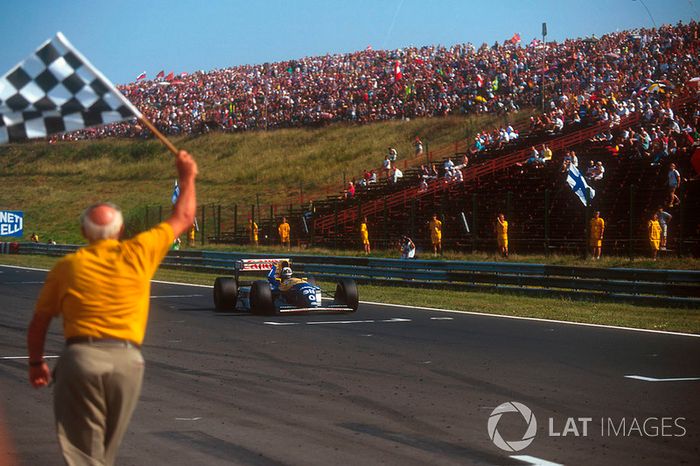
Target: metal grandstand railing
{"type": "Point", "coordinates": [460, 146]}
{"type": "Point", "coordinates": [326, 224]}
{"type": "Point", "coordinates": [349, 215]}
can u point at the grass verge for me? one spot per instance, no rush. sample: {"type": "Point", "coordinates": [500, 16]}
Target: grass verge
{"type": "Point", "coordinates": [625, 315]}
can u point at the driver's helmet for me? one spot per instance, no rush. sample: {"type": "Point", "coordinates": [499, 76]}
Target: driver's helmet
{"type": "Point", "coordinates": [286, 272]}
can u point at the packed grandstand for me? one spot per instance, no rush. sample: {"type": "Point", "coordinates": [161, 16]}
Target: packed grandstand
{"type": "Point", "coordinates": [625, 102]}
{"type": "Point", "coordinates": [373, 85]}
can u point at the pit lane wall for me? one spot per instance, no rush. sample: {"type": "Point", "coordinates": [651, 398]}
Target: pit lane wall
{"type": "Point", "coordinates": [666, 288]}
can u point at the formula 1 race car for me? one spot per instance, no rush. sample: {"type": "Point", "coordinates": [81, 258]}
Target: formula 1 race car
{"type": "Point", "coordinates": [280, 293]}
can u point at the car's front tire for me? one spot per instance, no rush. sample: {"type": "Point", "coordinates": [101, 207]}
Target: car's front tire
{"type": "Point", "coordinates": [225, 294]}
{"type": "Point", "coordinates": [346, 293]}
{"type": "Point", "coordinates": [261, 302]}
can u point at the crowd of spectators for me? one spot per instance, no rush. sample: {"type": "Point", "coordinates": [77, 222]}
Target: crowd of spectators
{"type": "Point", "coordinates": [661, 133]}
{"type": "Point", "coordinates": [581, 77]}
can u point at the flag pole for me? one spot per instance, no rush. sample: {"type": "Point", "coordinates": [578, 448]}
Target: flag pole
{"type": "Point", "coordinates": [171, 147]}
{"type": "Point", "coordinates": [139, 116]}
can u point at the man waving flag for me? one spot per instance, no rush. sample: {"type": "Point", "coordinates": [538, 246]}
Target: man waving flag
{"type": "Point", "coordinates": [54, 90]}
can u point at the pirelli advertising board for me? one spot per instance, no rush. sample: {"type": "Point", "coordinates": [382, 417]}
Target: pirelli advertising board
{"type": "Point", "coordinates": [11, 223]}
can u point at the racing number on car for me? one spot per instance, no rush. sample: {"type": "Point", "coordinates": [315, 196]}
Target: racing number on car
{"type": "Point", "coordinates": [311, 293]}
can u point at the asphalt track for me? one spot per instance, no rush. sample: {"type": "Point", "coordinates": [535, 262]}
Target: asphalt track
{"type": "Point", "coordinates": [386, 385]}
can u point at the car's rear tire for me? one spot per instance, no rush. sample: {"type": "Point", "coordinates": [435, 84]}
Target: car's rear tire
{"type": "Point", "coordinates": [261, 302]}
{"type": "Point", "coordinates": [225, 294]}
{"type": "Point", "coordinates": [346, 293]}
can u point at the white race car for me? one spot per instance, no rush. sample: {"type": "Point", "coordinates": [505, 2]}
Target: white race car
{"type": "Point", "coordinates": [279, 294]}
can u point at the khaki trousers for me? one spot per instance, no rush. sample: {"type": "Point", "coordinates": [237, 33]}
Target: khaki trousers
{"type": "Point", "coordinates": [97, 386]}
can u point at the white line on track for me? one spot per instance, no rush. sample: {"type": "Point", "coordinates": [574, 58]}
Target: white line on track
{"type": "Point", "coordinates": [27, 357]}
{"type": "Point", "coordinates": [534, 460]}
{"type": "Point", "coordinates": [325, 322]}
{"type": "Point", "coordinates": [667, 379]}
{"type": "Point", "coordinates": [433, 309]}
{"type": "Point", "coordinates": [24, 268]}
{"type": "Point", "coordinates": [196, 285]}
{"type": "Point", "coordinates": [442, 318]}
{"type": "Point", "coordinates": [322, 322]}
{"type": "Point", "coordinates": [24, 283]}
{"type": "Point", "coordinates": [177, 296]}
{"type": "Point", "coordinates": [188, 418]}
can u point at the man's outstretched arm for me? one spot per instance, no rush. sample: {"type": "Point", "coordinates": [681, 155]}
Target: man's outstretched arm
{"type": "Point", "coordinates": [186, 206]}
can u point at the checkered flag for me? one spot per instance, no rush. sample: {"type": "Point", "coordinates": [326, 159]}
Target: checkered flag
{"type": "Point", "coordinates": [56, 89]}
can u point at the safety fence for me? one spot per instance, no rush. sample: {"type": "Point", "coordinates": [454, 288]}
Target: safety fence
{"type": "Point", "coordinates": [670, 288]}
{"type": "Point", "coordinates": [9, 248]}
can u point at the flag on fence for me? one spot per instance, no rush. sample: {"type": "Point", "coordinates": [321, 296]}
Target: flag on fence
{"type": "Point", "coordinates": [176, 193]}
{"type": "Point", "coordinates": [141, 76]}
{"type": "Point", "coordinates": [578, 184]}
{"type": "Point", "coordinates": [54, 90]}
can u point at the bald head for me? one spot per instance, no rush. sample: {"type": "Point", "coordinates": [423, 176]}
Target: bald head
{"type": "Point", "coordinates": [102, 221]}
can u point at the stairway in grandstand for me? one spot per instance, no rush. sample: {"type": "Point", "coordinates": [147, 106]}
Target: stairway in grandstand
{"type": "Point", "coordinates": [404, 208]}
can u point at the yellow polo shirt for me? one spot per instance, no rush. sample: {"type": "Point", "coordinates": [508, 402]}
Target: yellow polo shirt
{"type": "Point", "coordinates": [103, 290]}
{"type": "Point", "coordinates": [502, 233]}
{"type": "Point", "coordinates": [283, 230]}
{"type": "Point", "coordinates": [436, 230]}
{"type": "Point", "coordinates": [364, 233]}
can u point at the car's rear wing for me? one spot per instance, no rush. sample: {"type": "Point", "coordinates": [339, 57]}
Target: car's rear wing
{"type": "Point", "coordinates": [256, 265]}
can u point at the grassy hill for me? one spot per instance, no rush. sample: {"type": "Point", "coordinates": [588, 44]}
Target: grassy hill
{"type": "Point", "coordinates": [53, 183]}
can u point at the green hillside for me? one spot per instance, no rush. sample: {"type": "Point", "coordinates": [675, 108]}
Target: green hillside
{"type": "Point", "coordinates": [53, 183]}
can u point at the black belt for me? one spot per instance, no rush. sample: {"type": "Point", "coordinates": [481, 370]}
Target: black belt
{"type": "Point", "coordinates": [90, 340]}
